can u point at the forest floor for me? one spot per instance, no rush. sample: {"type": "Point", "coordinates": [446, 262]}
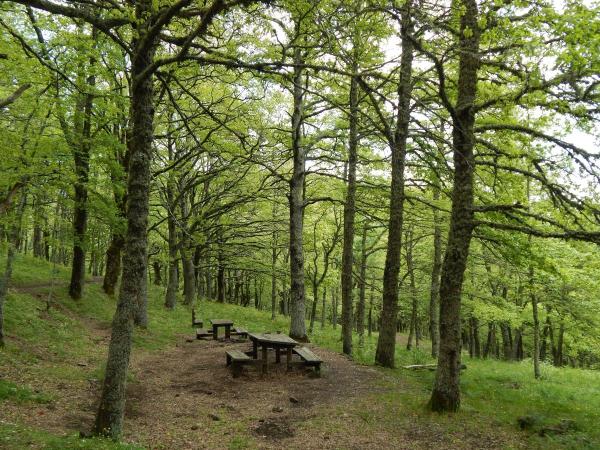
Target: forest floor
{"type": "Point", "coordinates": [181, 395]}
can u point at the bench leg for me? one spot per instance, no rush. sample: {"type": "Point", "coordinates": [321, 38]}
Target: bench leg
{"type": "Point", "coordinates": [227, 332]}
{"type": "Point", "coordinates": [265, 361]}
{"type": "Point", "coordinates": [254, 349]}
{"type": "Point", "coordinates": [318, 369]}
{"type": "Point", "coordinates": [237, 369]}
{"type": "Point", "coordinates": [289, 358]}
{"type": "Point", "coordinates": [278, 355]}
{"type": "Point", "coordinates": [215, 332]}
{"type": "Point", "coordinates": [228, 360]}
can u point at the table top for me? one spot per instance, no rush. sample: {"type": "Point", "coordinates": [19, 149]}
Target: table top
{"type": "Point", "coordinates": [273, 338]}
{"type": "Point", "coordinates": [221, 322]}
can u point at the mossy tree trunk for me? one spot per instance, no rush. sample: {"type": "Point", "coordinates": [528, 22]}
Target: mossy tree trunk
{"type": "Point", "coordinates": [446, 390]}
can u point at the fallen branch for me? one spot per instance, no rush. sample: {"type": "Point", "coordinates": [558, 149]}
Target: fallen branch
{"type": "Point", "coordinates": [431, 367]}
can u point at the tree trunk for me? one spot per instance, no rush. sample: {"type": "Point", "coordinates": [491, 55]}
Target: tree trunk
{"type": "Point", "coordinates": [296, 201]}
{"type": "Point", "coordinates": [434, 295]}
{"type": "Point", "coordinates": [413, 291]}
{"type": "Point", "coordinates": [386, 344]}
{"type": "Point", "coordinates": [113, 264]}
{"type": "Point", "coordinates": [490, 346]}
{"type": "Point", "coordinates": [189, 277]}
{"type": "Point", "coordinates": [334, 309]}
{"type": "Point", "coordinates": [220, 278]}
{"type": "Point", "coordinates": [558, 355]}
{"type": "Point", "coordinates": [109, 420]}
{"type": "Point", "coordinates": [361, 306]}
{"type": "Point", "coordinates": [370, 326]}
{"type": "Point", "coordinates": [313, 312]}
{"type": "Point", "coordinates": [141, 312]}
{"type": "Point", "coordinates": [349, 215]}
{"type": "Point", "coordinates": [506, 341]}
{"type": "Point", "coordinates": [13, 235]}
{"type": "Point", "coordinates": [446, 391]}
{"type": "Point", "coordinates": [173, 278]}
{"type": "Point", "coordinates": [157, 273]}
{"type": "Point", "coordinates": [81, 157]}
{"type": "Point", "coordinates": [323, 303]}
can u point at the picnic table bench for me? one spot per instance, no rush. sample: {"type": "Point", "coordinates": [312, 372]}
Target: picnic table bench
{"type": "Point", "coordinates": [238, 331]}
{"type": "Point", "coordinates": [309, 358]}
{"type": "Point", "coordinates": [202, 333]}
{"type": "Point", "coordinates": [218, 323]}
{"type": "Point", "coordinates": [236, 359]}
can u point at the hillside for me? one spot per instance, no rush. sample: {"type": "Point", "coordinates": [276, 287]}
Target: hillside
{"type": "Point", "coordinates": [180, 395]}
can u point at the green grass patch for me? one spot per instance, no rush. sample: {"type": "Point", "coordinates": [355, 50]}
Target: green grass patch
{"type": "Point", "coordinates": [21, 394]}
{"type": "Point", "coordinates": [16, 437]}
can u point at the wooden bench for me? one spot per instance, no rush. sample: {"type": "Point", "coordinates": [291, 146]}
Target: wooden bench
{"type": "Point", "coordinates": [196, 323]}
{"type": "Point", "coordinates": [240, 332]}
{"type": "Point", "coordinates": [202, 333]}
{"type": "Point", "coordinates": [236, 359]}
{"type": "Point", "coordinates": [309, 358]}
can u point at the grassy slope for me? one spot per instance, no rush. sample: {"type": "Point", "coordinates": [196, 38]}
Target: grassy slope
{"type": "Point", "coordinates": [495, 393]}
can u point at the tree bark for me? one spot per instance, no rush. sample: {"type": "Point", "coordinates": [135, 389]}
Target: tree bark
{"type": "Point", "coordinates": [413, 292]}
{"type": "Point", "coordinates": [13, 234]}
{"type": "Point", "coordinates": [113, 264]}
{"type": "Point", "coordinates": [274, 277]}
{"type": "Point", "coordinates": [349, 215]}
{"type": "Point", "coordinates": [296, 202]}
{"type": "Point", "coordinates": [220, 277]}
{"type": "Point", "coordinates": [81, 157]}
{"type": "Point", "coordinates": [446, 390]}
{"type": "Point", "coordinates": [173, 273]}
{"type": "Point", "coordinates": [386, 344]}
{"type": "Point", "coordinates": [434, 295]}
{"type": "Point", "coordinates": [109, 419]}
{"type": "Point", "coordinates": [360, 307]}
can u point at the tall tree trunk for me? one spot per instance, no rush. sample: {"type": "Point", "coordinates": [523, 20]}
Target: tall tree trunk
{"type": "Point", "coordinates": [109, 420]}
{"type": "Point", "coordinates": [558, 355]}
{"type": "Point", "coordinates": [81, 157]}
{"type": "Point", "coordinates": [313, 312]}
{"type": "Point", "coordinates": [413, 291]}
{"type": "Point", "coordinates": [189, 276]}
{"type": "Point", "coordinates": [13, 235]}
{"type": "Point", "coordinates": [113, 264]}
{"type": "Point", "coordinates": [446, 390]}
{"type": "Point", "coordinates": [370, 326]}
{"type": "Point", "coordinates": [323, 304]}
{"type": "Point", "coordinates": [434, 295]}
{"type": "Point", "coordinates": [296, 201]}
{"type": "Point", "coordinates": [273, 278]}
{"type": "Point", "coordinates": [173, 273]}
{"type": "Point", "coordinates": [156, 266]}
{"type": "Point", "coordinates": [349, 215]}
{"type": "Point", "coordinates": [360, 307]}
{"type": "Point", "coordinates": [386, 344]}
{"type": "Point", "coordinates": [220, 277]}
{"type": "Point", "coordinates": [140, 317]}
{"type": "Point", "coordinates": [334, 309]}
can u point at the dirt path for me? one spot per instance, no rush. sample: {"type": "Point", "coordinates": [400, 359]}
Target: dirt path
{"type": "Point", "coordinates": [186, 390]}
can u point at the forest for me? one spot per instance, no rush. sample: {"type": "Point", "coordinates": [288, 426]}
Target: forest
{"type": "Point", "coordinates": [411, 183]}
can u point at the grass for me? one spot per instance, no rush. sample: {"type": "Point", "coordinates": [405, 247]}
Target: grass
{"type": "Point", "coordinates": [21, 394]}
{"type": "Point", "coordinates": [14, 436]}
{"type": "Point", "coordinates": [494, 393]}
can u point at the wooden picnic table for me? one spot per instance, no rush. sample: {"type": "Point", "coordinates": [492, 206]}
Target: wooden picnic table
{"type": "Point", "coordinates": [225, 323]}
{"type": "Point", "coordinates": [276, 341]}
